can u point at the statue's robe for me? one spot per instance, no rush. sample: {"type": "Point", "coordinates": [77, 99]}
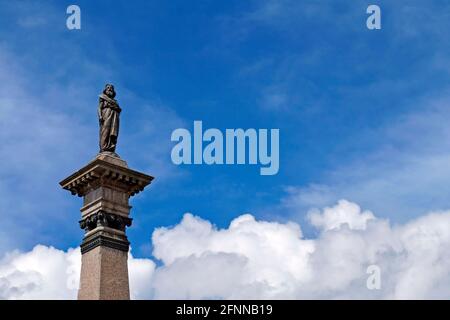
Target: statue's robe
{"type": "Point", "coordinates": [109, 112]}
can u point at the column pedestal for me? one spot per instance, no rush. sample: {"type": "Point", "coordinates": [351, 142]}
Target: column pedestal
{"type": "Point", "coordinates": [106, 184]}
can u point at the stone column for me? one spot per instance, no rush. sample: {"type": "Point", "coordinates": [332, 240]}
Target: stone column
{"type": "Point", "coordinates": [106, 184]}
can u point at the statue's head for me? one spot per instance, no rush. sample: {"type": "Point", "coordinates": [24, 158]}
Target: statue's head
{"type": "Point", "coordinates": [109, 91]}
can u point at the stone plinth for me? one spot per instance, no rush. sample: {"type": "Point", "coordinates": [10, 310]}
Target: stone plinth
{"type": "Point", "coordinates": [106, 184]}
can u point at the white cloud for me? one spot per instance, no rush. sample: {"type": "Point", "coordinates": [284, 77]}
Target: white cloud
{"type": "Point", "coordinates": [344, 213]}
{"type": "Point", "coordinates": [49, 273]}
{"type": "Point", "coordinates": [272, 260]}
{"type": "Point", "coordinates": [256, 250]}
{"type": "Point", "coordinates": [261, 260]}
{"type": "Point", "coordinates": [141, 273]}
{"type": "Point", "coordinates": [42, 273]}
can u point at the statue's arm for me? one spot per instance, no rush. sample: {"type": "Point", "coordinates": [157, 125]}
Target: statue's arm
{"type": "Point", "coordinates": [99, 111]}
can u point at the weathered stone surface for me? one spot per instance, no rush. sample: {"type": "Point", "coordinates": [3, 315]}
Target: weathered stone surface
{"type": "Point", "coordinates": [104, 275]}
{"type": "Point", "coordinates": [111, 157]}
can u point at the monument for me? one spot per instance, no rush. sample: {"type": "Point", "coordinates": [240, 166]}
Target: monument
{"type": "Point", "coordinates": [106, 185]}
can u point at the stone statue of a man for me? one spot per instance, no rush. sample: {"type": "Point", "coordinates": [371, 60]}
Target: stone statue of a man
{"type": "Point", "coordinates": [108, 116]}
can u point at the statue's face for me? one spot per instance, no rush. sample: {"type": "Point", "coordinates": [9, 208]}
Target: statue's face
{"type": "Point", "coordinates": [109, 91]}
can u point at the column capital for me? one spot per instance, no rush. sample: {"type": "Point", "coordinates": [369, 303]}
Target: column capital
{"type": "Point", "coordinates": [106, 170]}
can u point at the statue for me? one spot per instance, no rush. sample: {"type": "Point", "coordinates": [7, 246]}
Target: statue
{"type": "Point", "coordinates": [108, 116]}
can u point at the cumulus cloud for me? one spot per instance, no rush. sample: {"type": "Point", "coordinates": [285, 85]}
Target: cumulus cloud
{"type": "Point", "coordinates": [49, 273]}
{"type": "Point", "coordinates": [270, 260]}
{"type": "Point", "coordinates": [43, 272]}
{"type": "Point", "coordinates": [344, 213]}
{"type": "Point", "coordinates": [254, 259]}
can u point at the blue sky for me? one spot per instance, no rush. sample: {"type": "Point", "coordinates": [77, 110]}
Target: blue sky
{"type": "Point", "coordinates": [362, 114]}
